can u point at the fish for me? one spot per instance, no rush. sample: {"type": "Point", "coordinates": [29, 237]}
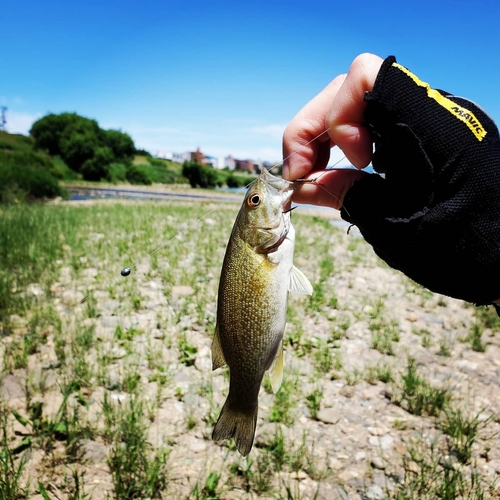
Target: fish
{"type": "Point", "coordinates": [257, 274]}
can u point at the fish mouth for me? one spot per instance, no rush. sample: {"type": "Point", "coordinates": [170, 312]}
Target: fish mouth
{"type": "Point", "coordinates": [276, 245]}
{"type": "Point", "coordinates": [284, 233]}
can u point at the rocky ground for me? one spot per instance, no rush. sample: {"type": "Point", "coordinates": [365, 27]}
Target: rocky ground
{"type": "Point", "coordinates": [345, 425]}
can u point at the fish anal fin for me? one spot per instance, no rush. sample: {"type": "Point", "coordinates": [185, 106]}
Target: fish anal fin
{"type": "Point", "coordinates": [218, 360]}
{"type": "Point", "coordinates": [276, 369]}
{"type": "Point", "coordinates": [299, 283]}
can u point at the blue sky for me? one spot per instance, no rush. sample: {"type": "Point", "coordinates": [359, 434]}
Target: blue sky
{"type": "Point", "coordinates": [227, 76]}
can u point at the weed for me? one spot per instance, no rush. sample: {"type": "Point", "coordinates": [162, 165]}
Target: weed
{"type": "Point", "coordinates": [209, 491]}
{"type": "Point", "coordinates": [299, 343]}
{"type": "Point", "coordinates": [426, 336]}
{"type": "Point", "coordinates": [463, 431]}
{"type": "Point", "coordinates": [427, 476]}
{"type": "Point", "coordinates": [137, 471]}
{"type": "Point", "coordinates": [11, 468]}
{"type": "Point", "coordinates": [445, 347]}
{"type": "Point", "coordinates": [313, 402]}
{"type": "Point", "coordinates": [418, 396]}
{"type": "Point", "coordinates": [65, 426]}
{"type": "Point", "coordinates": [384, 331]}
{"type": "Point", "coordinates": [187, 351]}
{"type": "Point", "coordinates": [318, 299]}
{"type": "Point", "coordinates": [399, 424]}
{"type": "Point", "coordinates": [339, 330]}
{"type": "Point", "coordinates": [353, 377]}
{"type": "Point", "coordinates": [256, 474]}
{"type": "Point", "coordinates": [474, 338]}
{"type": "Point", "coordinates": [277, 449]}
{"type": "Point", "coordinates": [382, 372]}
{"type": "Point", "coordinates": [285, 400]}
{"type": "Point", "coordinates": [323, 358]}
{"type": "Point", "coordinates": [487, 317]}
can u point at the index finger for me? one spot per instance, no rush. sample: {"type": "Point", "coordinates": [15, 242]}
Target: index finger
{"type": "Point", "coordinates": [304, 135]}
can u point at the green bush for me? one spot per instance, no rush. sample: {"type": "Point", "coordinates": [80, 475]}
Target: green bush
{"type": "Point", "coordinates": [28, 183]}
{"type": "Point", "coordinates": [121, 144]}
{"type": "Point", "coordinates": [236, 181]}
{"type": "Point", "coordinates": [25, 175]}
{"type": "Point", "coordinates": [117, 172]}
{"type": "Point", "coordinates": [199, 175]}
{"type": "Point", "coordinates": [97, 167]}
{"type": "Point", "coordinates": [82, 144]}
{"type": "Point", "coordinates": [61, 171]}
{"type": "Point", "coordinates": [137, 175]}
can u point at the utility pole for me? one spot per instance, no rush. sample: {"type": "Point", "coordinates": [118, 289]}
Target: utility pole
{"type": "Point", "coordinates": [3, 120]}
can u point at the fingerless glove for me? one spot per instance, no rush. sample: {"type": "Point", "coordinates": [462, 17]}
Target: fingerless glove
{"type": "Point", "coordinates": [432, 210]}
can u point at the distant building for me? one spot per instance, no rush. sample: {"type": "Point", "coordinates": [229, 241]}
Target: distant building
{"type": "Point", "coordinates": [244, 165]}
{"type": "Point", "coordinates": [172, 156]}
{"type": "Point", "coordinates": [212, 161]}
{"type": "Point", "coordinates": [229, 162]}
{"type": "Point", "coordinates": [180, 157]}
{"type": "Point", "coordinates": [251, 166]}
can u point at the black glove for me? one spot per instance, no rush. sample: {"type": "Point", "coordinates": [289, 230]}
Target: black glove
{"type": "Point", "coordinates": [435, 213]}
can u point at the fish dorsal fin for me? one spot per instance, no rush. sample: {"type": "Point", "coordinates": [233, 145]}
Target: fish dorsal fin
{"type": "Point", "coordinates": [218, 360]}
{"type": "Point", "coordinates": [299, 283]}
{"type": "Point", "coordinates": [276, 369]}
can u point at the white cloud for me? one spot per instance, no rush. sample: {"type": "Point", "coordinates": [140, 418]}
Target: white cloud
{"type": "Point", "coordinates": [274, 129]}
{"type": "Point", "coordinates": [20, 123]}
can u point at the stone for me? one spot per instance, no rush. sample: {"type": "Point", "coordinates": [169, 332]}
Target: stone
{"type": "Point", "coordinates": [94, 452]}
{"type": "Point", "coordinates": [72, 297]}
{"type": "Point", "coordinates": [377, 462]}
{"type": "Point", "coordinates": [11, 389]}
{"type": "Point", "coordinates": [385, 442]}
{"type": "Point", "coordinates": [34, 289]}
{"type": "Point", "coordinates": [375, 492]}
{"type": "Point", "coordinates": [182, 290]}
{"type": "Point", "coordinates": [328, 415]}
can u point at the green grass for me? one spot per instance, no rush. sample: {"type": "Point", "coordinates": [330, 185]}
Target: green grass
{"type": "Point", "coordinates": [385, 331]}
{"type": "Point", "coordinates": [12, 463]}
{"type": "Point", "coordinates": [285, 400]}
{"type": "Point", "coordinates": [475, 338]}
{"type": "Point", "coordinates": [417, 395]}
{"type": "Point", "coordinates": [125, 384]}
{"type": "Point", "coordinates": [427, 476]}
{"type": "Point", "coordinates": [313, 402]}
{"type": "Point", "coordinates": [137, 470]}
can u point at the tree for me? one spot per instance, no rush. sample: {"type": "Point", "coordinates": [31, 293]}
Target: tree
{"type": "Point", "coordinates": [82, 144]}
{"type": "Point", "coordinates": [199, 175]}
{"type": "Point", "coordinates": [97, 167]}
{"type": "Point", "coordinates": [47, 131]}
{"type": "Point", "coordinates": [120, 143]}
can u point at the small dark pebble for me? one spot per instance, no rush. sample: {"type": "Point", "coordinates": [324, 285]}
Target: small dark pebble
{"type": "Point", "coordinates": [125, 271]}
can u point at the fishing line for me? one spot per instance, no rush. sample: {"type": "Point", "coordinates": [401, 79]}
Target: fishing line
{"type": "Point", "coordinates": [127, 270]}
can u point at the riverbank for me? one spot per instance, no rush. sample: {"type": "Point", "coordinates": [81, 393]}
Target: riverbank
{"type": "Point", "coordinates": [389, 391]}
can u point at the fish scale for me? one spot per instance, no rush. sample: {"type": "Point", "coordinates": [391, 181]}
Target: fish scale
{"type": "Point", "coordinates": [256, 275]}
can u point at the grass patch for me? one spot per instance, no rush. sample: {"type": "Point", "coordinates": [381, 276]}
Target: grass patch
{"type": "Point", "coordinates": [428, 476]}
{"type": "Point", "coordinates": [416, 395]}
{"type": "Point", "coordinates": [137, 470]}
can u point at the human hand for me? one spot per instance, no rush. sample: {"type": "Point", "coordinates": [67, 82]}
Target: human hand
{"type": "Point", "coordinates": [334, 117]}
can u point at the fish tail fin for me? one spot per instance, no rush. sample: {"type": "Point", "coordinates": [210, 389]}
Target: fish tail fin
{"type": "Point", "coordinates": [237, 424]}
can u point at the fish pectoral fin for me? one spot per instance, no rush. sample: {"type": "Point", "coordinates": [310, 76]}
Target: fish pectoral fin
{"type": "Point", "coordinates": [218, 360]}
{"type": "Point", "coordinates": [299, 283]}
{"type": "Point", "coordinates": [276, 369]}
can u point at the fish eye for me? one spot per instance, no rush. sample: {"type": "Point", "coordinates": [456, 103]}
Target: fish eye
{"type": "Point", "coordinates": [254, 200]}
